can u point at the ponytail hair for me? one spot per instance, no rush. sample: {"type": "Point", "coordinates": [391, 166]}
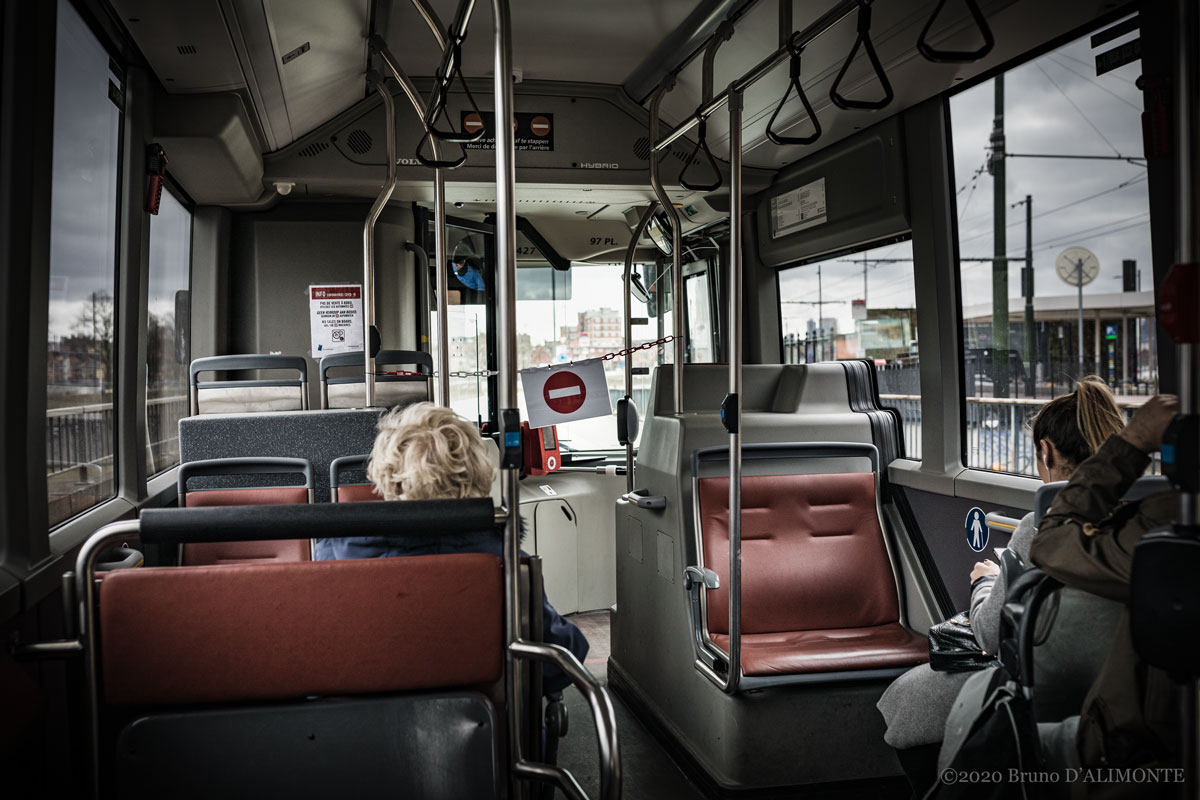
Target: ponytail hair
{"type": "Point", "coordinates": [1079, 422]}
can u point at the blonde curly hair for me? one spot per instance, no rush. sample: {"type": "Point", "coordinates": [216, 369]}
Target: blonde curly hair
{"type": "Point", "coordinates": [426, 452]}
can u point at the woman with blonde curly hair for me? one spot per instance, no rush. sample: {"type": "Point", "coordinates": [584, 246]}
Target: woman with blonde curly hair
{"type": "Point", "coordinates": [426, 452]}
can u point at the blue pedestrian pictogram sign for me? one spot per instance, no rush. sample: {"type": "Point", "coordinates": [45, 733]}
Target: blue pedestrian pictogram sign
{"type": "Point", "coordinates": [977, 529]}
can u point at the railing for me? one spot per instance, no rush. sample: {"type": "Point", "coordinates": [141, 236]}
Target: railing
{"type": "Point", "coordinates": [997, 435]}
{"type": "Point", "coordinates": [82, 437]}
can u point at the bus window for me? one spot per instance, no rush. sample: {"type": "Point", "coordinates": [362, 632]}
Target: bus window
{"type": "Point", "coordinates": [699, 317]}
{"type": "Point", "coordinates": [81, 368]}
{"type": "Point", "coordinates": [577, 315]}
{"type": "Point", "coordinates": [167, 320]}
{"type": "Point", "coordinates": [1048, 165]}
{"type": "Point", "coordinates": [859, 305]}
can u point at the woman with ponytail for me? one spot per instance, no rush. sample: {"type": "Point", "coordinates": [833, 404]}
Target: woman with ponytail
{"type": "Point", "coordinates": [1067, 431]}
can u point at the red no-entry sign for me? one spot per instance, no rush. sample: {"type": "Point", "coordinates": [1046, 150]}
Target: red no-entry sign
{"type": "Point", "coordinates": [564, 392]}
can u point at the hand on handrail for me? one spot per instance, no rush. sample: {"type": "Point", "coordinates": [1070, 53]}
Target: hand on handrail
{"type": "Point", "coordinates": [863, 40]}
{"type": "Point", "coordinates": [957, 56]}
{"type": "Point", "coordinates": [794, 83]}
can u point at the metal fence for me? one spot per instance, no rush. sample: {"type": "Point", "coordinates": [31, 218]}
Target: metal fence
{"type": "Point", "coordinates": [83, 437]}
{"type": "Point", "coordinates": [996, 430]}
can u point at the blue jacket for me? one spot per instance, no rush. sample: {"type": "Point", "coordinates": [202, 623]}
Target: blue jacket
{"type": "Point", "coordinates": [555, 629]}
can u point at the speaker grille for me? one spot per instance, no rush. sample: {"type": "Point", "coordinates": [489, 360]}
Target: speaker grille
{"type": "Point", "coordinates": [359, 141]}
{"type": "Point", "coordinates": [641, 148]}
{"type": "Point", "coordinates": [186, 49]}
{"type": "Point", "coordinates": [316, 148]}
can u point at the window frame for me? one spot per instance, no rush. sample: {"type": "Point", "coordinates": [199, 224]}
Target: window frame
{"type": "Point", "coordinates": [975, 475]}
{"type": "Point", "coordinates": [121, 292]}
{"type": "Point", "coordinates": [177, 192]}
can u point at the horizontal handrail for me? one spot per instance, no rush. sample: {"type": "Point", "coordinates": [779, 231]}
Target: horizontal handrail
{"type": "Point", "coordinates": [796, 41]}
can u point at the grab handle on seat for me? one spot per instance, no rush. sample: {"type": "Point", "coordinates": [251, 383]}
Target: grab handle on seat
{"type": "Point", "coordinates": [701, 576]}
{"type": "Point", "coordinates": [603, 716]}
{"type": "Point", "coordinates": [643, 500]}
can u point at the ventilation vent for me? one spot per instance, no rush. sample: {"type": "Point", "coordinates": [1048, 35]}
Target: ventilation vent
{"type": "Point", "coordinates": [359, 141]}
{"type": "Point", "coordinates": [186, 49]}
{"type": "Point", "coordinates": [641, 148]}
{"type": "Point", "coordinates": [684, 158]}
{"type": "Point", "coordinates": [313, 149]}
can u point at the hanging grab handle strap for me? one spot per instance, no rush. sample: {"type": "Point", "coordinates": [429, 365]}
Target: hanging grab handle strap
{"type": "Point", "coordinates": [701, 144]}
{"type": "Point", "coordinates": [720, 36]}
{"type": "Point", "coordinates": [863, 40]}
{"type": "Point", "coordinates": [433, 163]}
{"type": "Point", "coordinates": [438, 108]}
{"type": "Point", "coordinates": [957, 56]}
{"type": "Point", "coordinates": [794, 83]}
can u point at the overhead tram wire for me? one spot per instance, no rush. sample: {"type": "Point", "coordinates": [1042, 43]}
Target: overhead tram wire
{"type": "Point", "coordinates": [1095, 83]}
{"type": "Point", "coordinates": [1086, 118]}
{"type": "Point", "coordinates": [1124, 184]}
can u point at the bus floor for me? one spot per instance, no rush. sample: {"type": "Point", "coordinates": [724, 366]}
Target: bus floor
{"type": "Point", "coordinates": [650, 773]}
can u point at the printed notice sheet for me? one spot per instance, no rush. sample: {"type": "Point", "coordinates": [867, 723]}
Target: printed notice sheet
{"type": "Point", "coordinates": [798, 209]}
{"type": "Point", "coordinates": [335, 318]}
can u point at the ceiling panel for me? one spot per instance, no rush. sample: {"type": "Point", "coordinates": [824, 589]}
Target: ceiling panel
{"type": "Point", "coordinates": [589, 41]}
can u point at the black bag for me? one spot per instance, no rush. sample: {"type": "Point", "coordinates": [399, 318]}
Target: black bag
{"type": "Point", "coordinates": [952, 647]}
{"type": "Point", "coordinates": [1001, 738]}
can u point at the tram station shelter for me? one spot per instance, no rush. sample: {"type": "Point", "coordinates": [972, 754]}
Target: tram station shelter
{"type": "Point", "coordinates": [1118, 335]}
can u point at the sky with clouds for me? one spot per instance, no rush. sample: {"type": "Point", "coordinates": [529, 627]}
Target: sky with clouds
{"type": "Point", "coordinates": [1054, 105]}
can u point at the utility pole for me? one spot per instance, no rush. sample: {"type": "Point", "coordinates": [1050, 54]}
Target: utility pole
{"type": "Point", "coordinates": [1027, 293]}
{"type": "Point", "coordinates": [999, 250]}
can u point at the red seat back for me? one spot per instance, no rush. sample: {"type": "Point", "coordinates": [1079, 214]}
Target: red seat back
{"type": "Point", "coordinates": [357, 493]}
{"type": "Point", "coordinates": [813, 555]}
{"type": "Point", "coordinates": [199, 554]}
{"type": "Point", "coordinates": [272, 632]}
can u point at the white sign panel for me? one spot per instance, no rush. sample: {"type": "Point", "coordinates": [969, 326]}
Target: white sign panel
{"type": "Point", "coordinates": [566, 392]}
{"type": "Point", "coordinates": [335, 318]}
{"type": "Point", "coordinates": [798, 209]}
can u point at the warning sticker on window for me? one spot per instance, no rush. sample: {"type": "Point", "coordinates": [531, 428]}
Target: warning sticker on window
{"type": "Point", "coordinates": [798, 209]}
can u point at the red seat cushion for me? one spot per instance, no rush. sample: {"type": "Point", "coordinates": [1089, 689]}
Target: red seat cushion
{"type": "Point", "coordinates": [831, 650]}
{"type": "Point", "coordinates": [818, 592]}
{"type": "Point", "coordinates": [258, 632]}
{"type": "Point", "coordinates": [198, 554]}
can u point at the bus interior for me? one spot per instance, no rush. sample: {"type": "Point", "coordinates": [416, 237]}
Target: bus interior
{"type": "Point", "coordinates": [827, 260]}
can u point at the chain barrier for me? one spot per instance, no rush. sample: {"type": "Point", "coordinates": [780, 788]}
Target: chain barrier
{"type": "Point", "coordinates": [484, 373]}
{"type": "Point", "coordinates": [644, 346]}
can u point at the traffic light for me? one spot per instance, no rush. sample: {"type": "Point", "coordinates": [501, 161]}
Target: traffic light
{"type": "Point", "coordinates": [1129, 276]}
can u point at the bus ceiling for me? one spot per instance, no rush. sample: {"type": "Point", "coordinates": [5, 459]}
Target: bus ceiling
{"type": "Point", "coordinates": [299, 70]}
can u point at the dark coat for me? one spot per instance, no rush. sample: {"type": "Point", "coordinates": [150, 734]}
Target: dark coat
{"type": "Point", "coordinates": [1086, 540]}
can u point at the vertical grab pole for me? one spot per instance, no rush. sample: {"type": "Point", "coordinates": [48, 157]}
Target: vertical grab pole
{"type": "Point", "coordinates": [442, 361]}
{"type": "Point", "coordinates": [1187, 121]}
{"type": "Point", "coordinates": [731, 409]}
{"type": "Point", "coordinates": [506, 270]}
{"type": "Point", "coordinates": [389, 116]}
{"type": "Point", "coordinates": [637, 234]}
{"type": "Point", "coordinates": [676, 247]}
{"type": "Point", "coordinates": [443, 280]}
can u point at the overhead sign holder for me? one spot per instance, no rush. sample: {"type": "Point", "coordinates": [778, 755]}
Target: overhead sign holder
{"type": "Point", "coordinates": [335, 318]}
{"type": "Point", "coordinates": [532, 131]}
{"type": "Point", "coordinates": [566, 393]}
